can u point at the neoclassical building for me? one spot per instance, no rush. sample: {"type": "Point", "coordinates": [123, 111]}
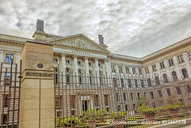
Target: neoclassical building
{"type": "Point", "coordinates": [88, 75]}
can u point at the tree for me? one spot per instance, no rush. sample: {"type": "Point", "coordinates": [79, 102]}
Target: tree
{"type": "Point", "coordinates": [143, 100]}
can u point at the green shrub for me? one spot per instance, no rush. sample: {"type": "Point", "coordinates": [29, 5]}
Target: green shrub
{"type": "Point", "coordinates": [118, 115]}
{"type": "Point", "coordinates": [172, 107]}
{"type": "Point", "coordinates": [102, 113]}
{"type": "Point", "coordinates": [69, 121]}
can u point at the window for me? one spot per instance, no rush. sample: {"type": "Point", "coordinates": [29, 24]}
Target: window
{"type": "Point", "coordinates": [67, 79]}
{"type": "Point", "coordinates": [157, 80]}
{"type": "Point", "coordinates": [142, 84]}
{"type": "Point", "coordinates": [127, 70]}
{"type": "Point", "coordinates": [151, 95]}
{"type": "Point", "coordinates": [5, 100]}
{"type": "Point", "coordinates": [153, 104]}
{"type": "Point", "coordinates": [168, 92]}
{"type": "Point", "coordinates": [119, 108]}
{"type": "Point", "coordinates": [96, 100]}
{"type": "Point", "coordinates": [58, 101]}
{"type": "Point", "coordinates": [72, 101]}
{"type": "Point", "coordinates": [7, 78]}
{"type": "Point", "coordinates": [162, 66]}
{"type": "Point", "coordinates": [136, 83]}
{"type": "Point", "coordinates": [124, 96]}
{"type": "Point", "coordinates": [129, 83]}
{"type": "Point", "coordinates": [140, 71]}
{"type": "Point", "coordinates": [154, 68]}
{"type": "Point", "coordinates": [189, 55]}
{"type": "Point", "coordinates": [180, 59]}
{"type": "Point", "coordinates": [178, 90]}
{"type": "Point", "coordinates": [188, 88]}
{"type": "Point", "coordinates": [115, 82]}
{"type": "Point", "coordinates": [106, 100]}
{"type": "Point", "coordinates": [9, 58]}
{"type": "Point", "coordinates": [184, 73]}
{"type": "Point", "coordinates": [149, 82]}
{"type": "Point", "coordinates": [67, 61]}
{"type": "Point", "coordinates": [112, 68]}
{"type": "Point", "coordinates": [120, 69]}
{"type": "Point", "coordinates": [134, 71]}
{"type": "Point", "coordinates": [145, 94]}
{"type": "Point", "coordinates": [55, 60]}
{"type": "Point", "coordinates": [160, 93]}
{"type": "Point", "coordinates": [134, 107]}
{"type": "Point", "coordinates": [90, 64]}
{"type": "Point", "coordinates": [79, 63]}
{"type": "Point", "coordinates": [170, 62]}
{"type": "Point", "coordinates": [132, 98]}
{"type": "Point", "coordinates": [165, 78]}
{"type": "Point", "coordinates": [126, 107]}
{"type": "Point", "coordinates": [174, 76]}
{"type": "Point", "coordinates": [122, 83]}
{"type": "Point", "coordinates": [138, 94]}
{"type": "Point", "coordinates": [73, 112]}
{"type": "Point", "coordinates": [4, 118]}
{"type": "Point", "coordinates": [147, 70]}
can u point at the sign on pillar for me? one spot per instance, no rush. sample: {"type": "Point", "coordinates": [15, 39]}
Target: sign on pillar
{"type": "Point", "coordinates": [37, 87]}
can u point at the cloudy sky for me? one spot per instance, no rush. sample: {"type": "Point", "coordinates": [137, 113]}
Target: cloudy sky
{"type": "Point", "coordinates": [130, 27]}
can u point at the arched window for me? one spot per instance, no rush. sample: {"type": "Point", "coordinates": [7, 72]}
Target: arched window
{"type": "Point", "coordinates": [157, 80]}
{"type": "Point", "coordinates": [174, 76]}
{"type": "Point", "coordinates": [165, 78]}
{"type": "Point", "coordinates": [184, 73]}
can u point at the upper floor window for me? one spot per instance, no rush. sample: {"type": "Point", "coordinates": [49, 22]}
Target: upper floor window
{"type": "Point", "coordinates": [168, 92]}
{"type": "Point", "coordinates": [9, 58]}
{"type": "Point", "coordinates": [79, 63]}
{"type": "Point", "coordinates": [106, 100]}
{"type": "Point", "coordinates": [154, 68]}
{"type": "Point", "coordinates": [67, 61]}
{"type": "Point", "coordinates": [174, 76]}
{"type": "Point", "coordinates": [140, 71]}
{"type": "Point", "coordinates": [189, 55]}
{"type": "Point", "coordinates": [184, 73]}
{"type": "Point", "coordinates": [180, 59]}
{"type": "Point", "coordinates": [120, 69]}
{"type": "Point", "coordinates": [127, 70]}
{"type": "Point", "coordinates": [171, 63]}
{"type": "Point", "coordinates": [147, 70]}
{"type": "Point", "coordinates": [112, 68]}
{"type": "Point", "coordinates": [134, 71]}
{"type": "Point", "coordinates": [162, 65]}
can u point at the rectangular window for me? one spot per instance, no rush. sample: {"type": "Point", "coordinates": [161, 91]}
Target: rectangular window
{"type": "Point", "coordinates": [171, 63]}
{"type": "Point", "coordinates": [67, 61]}
{"type": "Point", "coordinates": [127, 70]}
{"type": "Point", "coordinates": [112, 68]}
{"type": "Point", "coordinates": [4, 118]}
{"type": "Point", "coordinates": [119, 108]}
{"type": "Point", "coordinates": [129, 83]}
{"type": "Point", "coordinates": [153, 104]}
{"type": "Point", "coordinates": [9, 58]}
{"type": "Point", "coordinates": [138, 94]}
{"type": "Point", "coordinates": [115, 82]}
{"type": "Point", "coordinates": [72, 101]}
{"type": "Point", "coordinates": [126, 107]}
{"type": "Point", "coordinates": [178, 90]}
{"type": "Point", "coordinates": [147, 70]}
{"type": "Point", "coordinates": [134, 107]}
{"type": "Point", "coordinates": [106, 100]}
{"type": "Point", "coordinates": [124, 96]}
{"type": "Point", "coordinates": [142, 84]}
{"type": "Point", "coordinates": [96, 100]}
{"type": "Point", "coordinates": [140, 71]}
{"type": "Point", "coordinates": [120, 69]}
{"type": "Point", "coordinates": [7, 79]}
{"type": "Point", "coordinates": [188, 88]}
{"type": "Point", "coordinates": [73, 112]}
{"type": "Point", "coordinates": [5, 100]}
{"type": "Point", "coordinates": [168, 92]}
{"type": "Point", "coordinates": [58, 101]}
{"type": "Point", "coordinates": [134, 71]}
{"type": "Point", "coordinates": [151, 95]}
{"type": "Point", "coordinates": [162, 65]}
{"type": "Point", "coordinates": [160, 93]}
{"type": "Point", "coordinates": [122, 83]}
{"type": "Point", "coordinates": [132, 97]}
{"type": "Point", "coordinates": [117, 96]}
{"type": "Point", "coordinates": [136, 83]}
{"type": "Point", "coordinates": [154, 68]}
{"type": "Point", "coordinates": [180, 59]}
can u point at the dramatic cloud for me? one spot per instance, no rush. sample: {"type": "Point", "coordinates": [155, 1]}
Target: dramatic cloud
{"type": "Point", "coordinates": [130, 27]}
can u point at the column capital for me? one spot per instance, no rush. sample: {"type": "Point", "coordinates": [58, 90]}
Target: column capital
{"type": "Point", "coordinates": [86, 57]}
{"type": "Point", "coordinates": [63, 54]}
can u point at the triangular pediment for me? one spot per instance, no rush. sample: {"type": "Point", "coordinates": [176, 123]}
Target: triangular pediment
{"type": "Point", "coordinates": [79, 41]}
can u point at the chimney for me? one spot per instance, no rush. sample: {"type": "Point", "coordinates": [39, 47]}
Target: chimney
{"type": "Point", "coordinates": [101, 39]}
{"type": "Point", "coordinates": [40, 25]}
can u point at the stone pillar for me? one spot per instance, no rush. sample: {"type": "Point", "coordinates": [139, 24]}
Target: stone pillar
{"type": "Point", "coordinates": [123, 69]}
{"type": "Point", "coordinates": [116, 68]}
{"type": "Point", "coordinates": [87, 65]}
{"type": "Point", "coordinates": [158, 69]}
{"type": "Point", "coordinates": [130, 70]}
{"type": "Point", "coordinates": [186, 59]}
{"type": "Point", "coordinates": [1, 56]}
{"type": "Point", "coordinates": [167, 68]}
{"type": "Point", "coordinates": [177, 68]}
{"type": "Point", "coordinates": [63, 63]}
{"type": "Point", "coordinates": [150, 70]}
{"type": "Point", "coordinates": [97, 67]}
{"type": "Point", "coordinates": [37, 87]}
{"type": "Point", "coordinates": [75, 65]}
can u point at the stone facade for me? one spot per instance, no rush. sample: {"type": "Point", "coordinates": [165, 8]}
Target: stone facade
{"type": "Point", "coordinates": [156, 76]}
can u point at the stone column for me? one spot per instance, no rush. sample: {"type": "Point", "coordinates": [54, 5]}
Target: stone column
{"type": "Point", "coordinates": [97, 71]}
{"type": "Point", "coordinates": [177, 68]}
{"type": "Point", "coordinates": [150, 70]}
{"type": "Point", "coordinates": [86, 65]}
{"type": "Point", "coordinates": [167, 68]}
{"type": "Point", "coordinates": [1, 56]}
{"type": "Point", "coordinates": [186, 59]}
{"type": "Point", "coordinates": [158, 69]}
{"type": "Point", "coordinates": [63, 63]}
{"type": "Point", "coordinates": [75, 65]}
{"type": "Point", "coordinates": [123, 69]}
{"type": "Point", "coordinates": [37, 87]}
{"type": "Point", "coordinates": [116, 68]}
